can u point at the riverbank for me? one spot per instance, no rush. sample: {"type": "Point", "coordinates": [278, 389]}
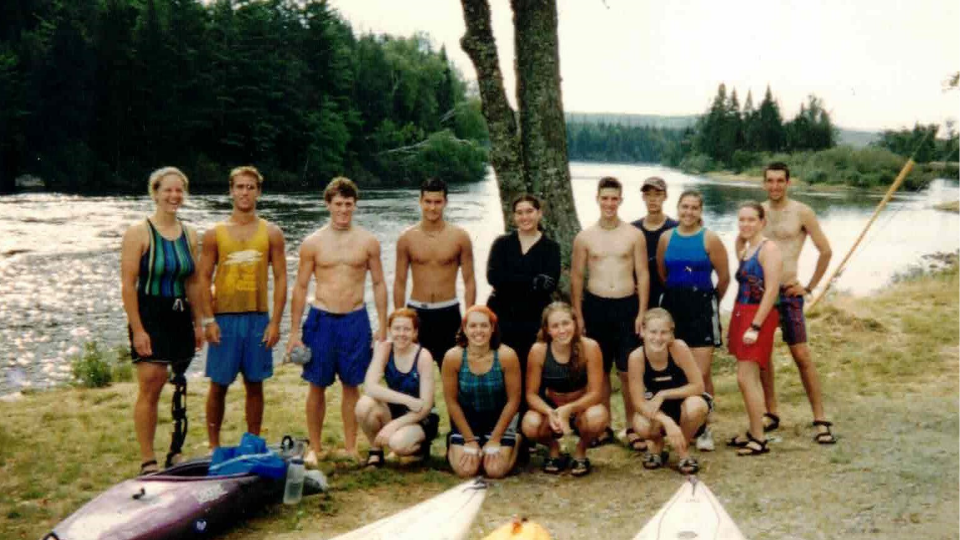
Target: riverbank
{"type": "Point", "coordinates": [889, 366]}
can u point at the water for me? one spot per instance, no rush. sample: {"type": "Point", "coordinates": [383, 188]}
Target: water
{"type": "Point", "coordinates": [60, 254]}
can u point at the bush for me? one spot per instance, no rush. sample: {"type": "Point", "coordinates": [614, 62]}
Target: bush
{"type": "Point", "coordinates": [92, 369]}
{"type": "Point", "coordinates": [697, 164]}
{"type": "Point", "coordinates": [123, 367]}
{"type": "Point", "coordinates": [743, 159]}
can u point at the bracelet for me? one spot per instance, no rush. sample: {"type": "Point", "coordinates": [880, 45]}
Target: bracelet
{"type": "Point", "coordinates": [755, 327]}
{"type": "Point", "coordinates": [207, 320]}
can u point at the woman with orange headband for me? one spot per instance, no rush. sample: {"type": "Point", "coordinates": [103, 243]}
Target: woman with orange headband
{"type": "Point", "coordinates": [482, 389]}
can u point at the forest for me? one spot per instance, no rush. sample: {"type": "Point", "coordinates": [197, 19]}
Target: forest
{"type": "Point", "coordinates": [97, 93]}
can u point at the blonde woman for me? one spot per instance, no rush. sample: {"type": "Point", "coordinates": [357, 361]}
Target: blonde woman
{"type": "Point", "coordinates": [158, 285]}
{"type": "Point", "coordinates": [667, 389]}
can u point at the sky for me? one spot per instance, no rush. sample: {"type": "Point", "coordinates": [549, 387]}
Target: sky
{"type": "Point", "coordinates": [877, 64]}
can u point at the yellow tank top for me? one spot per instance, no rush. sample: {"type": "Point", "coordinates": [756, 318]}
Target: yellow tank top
{"type": "Point", "coordinates": [241, 279]}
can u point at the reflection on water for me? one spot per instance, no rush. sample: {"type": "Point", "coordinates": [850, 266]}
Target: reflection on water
{"type": "Point", "coordinates": [59, 254]}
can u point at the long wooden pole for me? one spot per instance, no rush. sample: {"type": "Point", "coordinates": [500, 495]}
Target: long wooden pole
{"type": "Point", "coordinates": [907, 167]}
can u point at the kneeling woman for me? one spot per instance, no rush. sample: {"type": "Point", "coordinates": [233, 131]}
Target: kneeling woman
{"type": "Point", "coordinates": [564, 387]}
{"type": "Point", "coordinates": [399, 414]}
{"type": "Point", "coordinates": [667, 389]}
{"type": "Point", "coordinates": [481, 386]}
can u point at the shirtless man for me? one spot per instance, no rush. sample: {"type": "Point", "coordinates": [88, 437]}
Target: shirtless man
{"type": "Point", "coordinates": [242, 335]}
{"type": "Point", "coordinates": [337, 329]}
{"type": "Point", "coordinates": [653, 225]}
{"type": "Point", "coordinates": [615, 299]}
{"type": "Point", "coordinates": [434, 250]}
{"type": "Point", "coordinates": [788, 224]}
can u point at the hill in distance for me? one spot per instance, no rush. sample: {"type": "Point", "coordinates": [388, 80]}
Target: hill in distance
{"type": "Point", "coordinates": [851, 137]}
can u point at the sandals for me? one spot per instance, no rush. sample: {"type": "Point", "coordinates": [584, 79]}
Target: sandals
{"type": "Point", "coordinates": [737, 442]}
{"type": "Point", "coordinates": [636, 443]}
{"type": "Point", "coordinates": [148, 467]}
{"type": "Point", "coordinates": [655, 461]}
{"type": "Point", "coordinates": [556, 465]}
{"type": "Point", "coordinates": [580, 467]}
{"type": "Point", "coordinates": [689, 465]}
{"type": "Point", "coordinates": [375, 459]}
{"type": "Point", "coordinates": [773, 424]}
{"type": "Point", "coordinates": [753, 446]}
{"type": "Point", "coordinates": [606, 438]}
{"type": "Point", "coordinates": [824, 437]}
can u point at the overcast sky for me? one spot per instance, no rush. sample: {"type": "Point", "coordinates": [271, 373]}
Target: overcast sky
{"type": "Point", "coordinates": [877, 64]}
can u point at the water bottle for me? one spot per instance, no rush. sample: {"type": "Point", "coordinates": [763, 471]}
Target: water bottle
{"type": "Point", "coordinates": [293, 490]}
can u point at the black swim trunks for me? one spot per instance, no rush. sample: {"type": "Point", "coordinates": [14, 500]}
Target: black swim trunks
{"type": "Point", "coordinates": [611, 321]}
{"type": "Point", "coordinates": [438, 328]}
{"type": "Point", "coordinates": [696, 316]}
{"type": "Point", "coordinates": [169, 323]}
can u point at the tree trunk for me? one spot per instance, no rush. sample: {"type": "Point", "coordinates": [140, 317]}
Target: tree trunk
{"type": "Point", "coordinates": [531, 157]}
{"type": "Point", "coordinates": [480, 46]}
{"type": "Point", "coordinates": [542, 126]}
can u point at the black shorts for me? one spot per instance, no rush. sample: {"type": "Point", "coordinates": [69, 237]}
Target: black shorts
{"type": "Point", "coordinates": [430, 423]}
{"type": "Point", "coordinates": [611, 321]}
{"type": "Point", "coordinates": [169, 323]}
{"type": "Point", "coordinates": [696, 316]}
{"type": "Point", "coordinates": [438, 329]}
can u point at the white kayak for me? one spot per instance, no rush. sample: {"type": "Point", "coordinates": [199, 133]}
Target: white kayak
{"type": "Point", "coordinates": [693, 513]}
{"type": "Point", "coordinates": [447, 516]}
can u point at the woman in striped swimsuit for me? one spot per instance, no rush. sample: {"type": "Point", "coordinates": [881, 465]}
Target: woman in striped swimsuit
{"type": "Point", "coordinates": [482, 389]}
{"type": "Point", "coordinates": [157, 263]}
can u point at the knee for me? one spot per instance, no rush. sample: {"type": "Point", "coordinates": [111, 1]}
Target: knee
{"type": "Point", "coordinates": [531, 425]}
{"type": "Point", "coordinates": [453, 457]}
{"type": "Point", "coordinates": [365, 405]}
{"type": "Point", "coordinates": [595, 419]}
{"type": "Point", "coordinates": [254, 389]}
{"type": "Point", "coordinates": [642, 426]}
{"type": "Point", "coordinates": [694, 407]}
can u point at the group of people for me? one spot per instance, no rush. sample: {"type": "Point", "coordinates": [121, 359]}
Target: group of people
{"type": "Point", "coordinates": [522, 369]}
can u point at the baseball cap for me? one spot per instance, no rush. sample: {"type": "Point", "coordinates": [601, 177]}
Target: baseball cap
{"type": "Point", "coordinates": [654, 182]}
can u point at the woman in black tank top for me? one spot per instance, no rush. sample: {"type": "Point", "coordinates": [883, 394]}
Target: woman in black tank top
{"type": "Point", "coordinates": [563, 389]}
{"type": "Point", "coordinates": [667, 391]}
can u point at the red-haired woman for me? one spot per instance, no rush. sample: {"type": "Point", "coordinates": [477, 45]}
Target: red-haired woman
{"type": "Point", "coordinates": [564, 389]}
{"type": "Point", "coordinates": [482, 389]}
{"type": "Point", "coordinates": [399, 414]}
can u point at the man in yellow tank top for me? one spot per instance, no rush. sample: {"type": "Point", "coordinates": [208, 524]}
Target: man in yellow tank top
{"type": "Point", "coordinates": [236, 315]}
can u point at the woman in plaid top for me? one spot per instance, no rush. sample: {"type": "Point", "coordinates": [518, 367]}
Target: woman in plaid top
{"type": "Point", "coordinates": [482, 389]}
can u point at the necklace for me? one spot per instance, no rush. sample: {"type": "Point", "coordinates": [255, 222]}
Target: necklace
{"type": "Point", "coordinates": [609, 227]}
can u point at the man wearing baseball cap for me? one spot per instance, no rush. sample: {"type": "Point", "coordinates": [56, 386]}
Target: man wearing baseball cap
{"type": "Point", "coordinates": [654, 224]}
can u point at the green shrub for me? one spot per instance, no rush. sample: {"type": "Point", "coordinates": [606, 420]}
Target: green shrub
{"type": "Point", "coordinates": [697, 163]}
{"type": "Point", "coordinates": [92, 369]}
{"type": "Point", "coordinates": [123, 367]}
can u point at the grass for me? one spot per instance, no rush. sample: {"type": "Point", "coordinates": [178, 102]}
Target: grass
{"type": "Point", "coordinates": [889, 368]}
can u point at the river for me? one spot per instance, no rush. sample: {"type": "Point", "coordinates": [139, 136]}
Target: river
{"type": "Point", "coordinates": [59, 254]}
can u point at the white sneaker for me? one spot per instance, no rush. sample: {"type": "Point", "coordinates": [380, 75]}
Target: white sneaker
{"type": "Point", "coordinates": [705, 441]}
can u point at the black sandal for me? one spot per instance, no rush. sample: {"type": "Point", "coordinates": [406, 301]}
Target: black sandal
{"type": "Point", "coordinates": [148, 467]}
{"type": "Point", "coordinates": [737, 442]}
{"type": "Point", "coordinates": [580, 467]}
{"type": "Point", "coordinates": [606, 438]}
{"type": "Point", "coordinates": [754, 447]}
{"type": "Point", "coordinates": [774, 422]}
{"type": "Point", "coordinates": [555, 465]}
{"type": "Point", "coordinates": [655, 461]}
{"type": "Point", "coordinates": [375, 459]}
{"type": "Point", "coordinates": [637, 444]}
{"type": "Point", "coordinates": [689, 465]}
{"type": "Point", "coordinates": [824, 437]}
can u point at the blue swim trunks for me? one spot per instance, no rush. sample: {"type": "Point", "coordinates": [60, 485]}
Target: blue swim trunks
{"type": "Point", "coordinates": [339, 346]}
{"type": "Point", "coordinates": [241, 349]}
{"type": "Point", "coordinates": [792, 323]}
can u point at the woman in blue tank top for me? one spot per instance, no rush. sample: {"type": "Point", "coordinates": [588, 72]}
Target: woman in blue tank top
{"type": "Point", "coordinates": [687, 258]}
{"type": "Point", "coordinates": [400, 414]}
{"type": "Point", "coordinates": [158, 286]}
{"type": "Point", "coordinates": [754, 320]}
{"type": "Point", "coordinates": [482, 390]}
{"type": "Point", "coordinates": [564, 390]}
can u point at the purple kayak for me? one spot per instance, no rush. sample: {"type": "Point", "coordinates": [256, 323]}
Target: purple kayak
{"type": "Point", "coordinates": [179, 502]}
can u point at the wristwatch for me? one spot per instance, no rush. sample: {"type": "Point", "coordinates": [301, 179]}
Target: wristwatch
{"type": "Point", "coordinates": [755, 327]}
{"type": "Point", "coordinates": [207, 320]}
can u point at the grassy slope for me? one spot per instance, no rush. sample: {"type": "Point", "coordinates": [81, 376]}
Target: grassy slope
{"type": "Point", "coordinates": [889, 366]}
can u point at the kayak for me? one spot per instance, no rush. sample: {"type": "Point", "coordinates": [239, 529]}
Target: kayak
{"type": "Point", "coordinates": [693, 512]}
{"type": "Point", "coordinates": [179, 502]}
{"type": "Point", "coordinates": [447, 516]}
